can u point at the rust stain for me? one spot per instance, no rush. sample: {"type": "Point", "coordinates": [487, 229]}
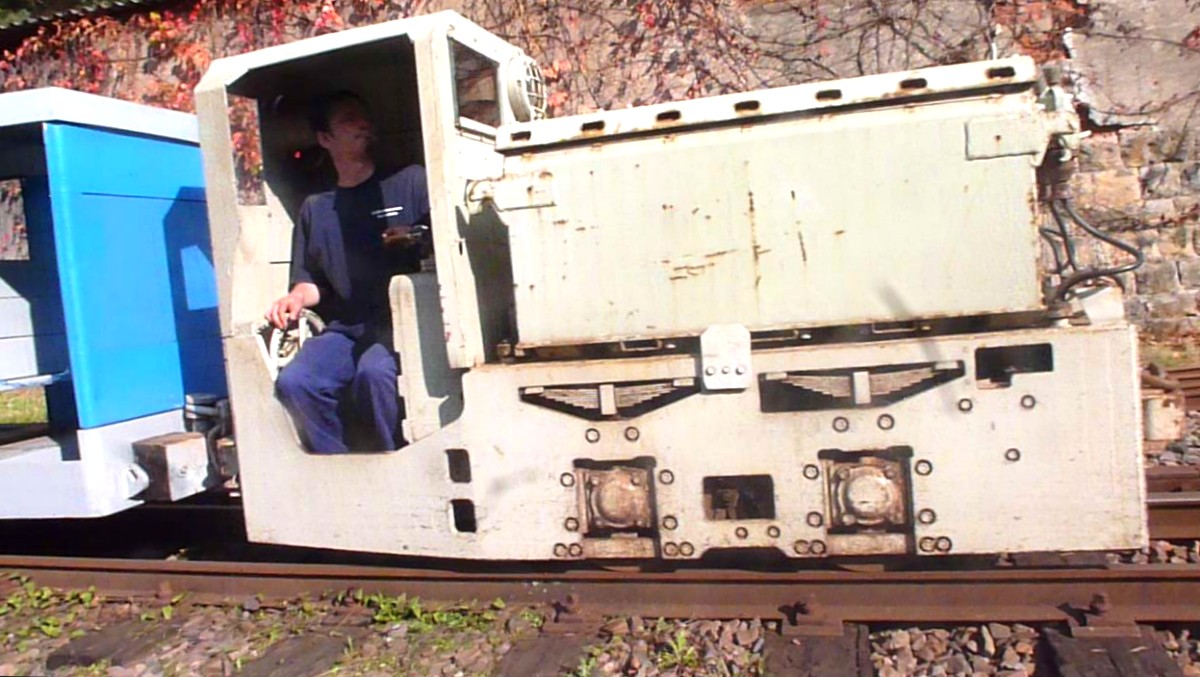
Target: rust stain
{"type": "Point", "coordinates": [754, 248]}
{"type": "Point", "coordinates": [560, 222]}
{"type": "Point", "coordinates": [667, 207]}
{"type": "Point", "coordinates": [723, 252]}
{"type": "Point", "coordinates": [803, 251]}
{"type": "Point", "coordinates": [839, 232]}
{"type": "Point", "coordinates": [692, 270]}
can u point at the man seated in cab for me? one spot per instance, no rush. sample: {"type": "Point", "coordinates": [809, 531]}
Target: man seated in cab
{"type": "Point", "coordinates": [347, 243]}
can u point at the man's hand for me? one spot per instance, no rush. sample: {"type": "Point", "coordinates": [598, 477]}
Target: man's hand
{"type": "Point", "coordinates": [287, 309]}
{"type": "Point", "coordinates": [401, 236]}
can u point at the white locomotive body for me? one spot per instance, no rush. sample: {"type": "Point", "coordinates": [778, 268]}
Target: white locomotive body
{"type": "Point", "coordinates": [809, 319]}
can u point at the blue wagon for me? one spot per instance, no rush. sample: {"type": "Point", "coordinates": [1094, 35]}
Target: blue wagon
{"type": "Point", "coordinates": [107, 301]}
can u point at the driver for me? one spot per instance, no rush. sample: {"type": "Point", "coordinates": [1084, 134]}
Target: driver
{"type": "Point", "coordinates": [348, 242]}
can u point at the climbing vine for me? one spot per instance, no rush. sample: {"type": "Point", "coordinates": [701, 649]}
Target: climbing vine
{"type": "Point", "coordinates": [595, 53]}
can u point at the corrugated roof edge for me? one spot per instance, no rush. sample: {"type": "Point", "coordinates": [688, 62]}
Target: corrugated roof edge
{"type": "Point", "coordinates": [54, 104]}
{"type": "Point", "coordinates": [103, 7]}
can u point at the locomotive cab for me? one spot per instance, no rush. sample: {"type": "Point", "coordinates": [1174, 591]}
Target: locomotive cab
{"type": "Point", "coordinates": [107, 303]}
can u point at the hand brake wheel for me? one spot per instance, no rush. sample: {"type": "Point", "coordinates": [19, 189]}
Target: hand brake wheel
{"type": "Point", "coordinates": [279, 346]}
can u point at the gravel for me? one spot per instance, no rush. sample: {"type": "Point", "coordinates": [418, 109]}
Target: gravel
{"type": "Point", "coordinates": [966, 651]}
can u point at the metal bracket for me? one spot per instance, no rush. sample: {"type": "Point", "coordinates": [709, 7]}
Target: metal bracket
{"type": "Point", "coordinates": [1100, 619]}
{"type": "Point", "coordinates": [523, 191]}
{"type": "Point", "coordinates": [808, 619]}
{"type": "Point", "coordinates": [725, 357]}
{"type": "Point", "coordinates": [567, 617]}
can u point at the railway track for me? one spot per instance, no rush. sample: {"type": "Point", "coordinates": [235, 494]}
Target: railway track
{"type": "Point", "coordinates": [1144, 593]}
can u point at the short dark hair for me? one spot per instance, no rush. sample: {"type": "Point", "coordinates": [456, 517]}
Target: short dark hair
{"type": "Point", "coordinates": [321, 108]}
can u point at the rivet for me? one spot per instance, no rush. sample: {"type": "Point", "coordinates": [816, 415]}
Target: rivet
{"type": "Point", "coordinates": [926, 544]}
{"type": "Point", "coordinates": [686, 549]}
{"type": "Point", "coordinates": [886, 422]}
{"type": "Point", "coordinates": [632, 434]}
{"type": "Point", "coordinates": [575, 550]}
{"type": "Point", "coordinates": [843, 473]}
{"type": "Point", "coordinates": [670, 549]}
{"type": "Point", "coordinates": [567, 479]}
{"type": "Point", "coordinates": [1012, 455]}
{"type": "Point", "coordinates": [965, 405]}
{"type": "Point", "coordinates": [849, 519]}
{"type": "Point", "coordinates": [1028, 401]}
{"type": "Point", "coordinates": [725, 369]}
{"type": "Point", "coordinates": [889, 473]}
{"type": "Point", "coordinates": [841, 424]}
{"type": "Point", "coordinates": [811, 472]}
{"type": "Point", "coordinates": [560, 550]}
{"type": "Point", "coordinates": [817, 548]}
{"type": "Point", "coordinates": [773, 531]}
{"type": "Point", "coordinates": [709, 371]}
{"type": "Point", "coordinates": [741, 532]}
{"type": "Point", "coordinates": [740, 370]}
{"type": "Point", "coordinates": [666, 477]}
{"type": "Point", "coordinates": [571, 524]}
{"type": "Point", "coordinates": [923, 467]}
{"type": "Point", "coordinates": [669, 522]}
{"type": "Point", "coordinates": [815, 519]}
{"type": "Point", "coordinates": [927, 516]}
{"type": "Point", "coordinates": [635, 480]}
{"type": "Point", "coordinates": [801, 547]}
{"type": "Point", "coordinates": [592, 435]}
{"type": "Point", "coordinates": [943, 544]}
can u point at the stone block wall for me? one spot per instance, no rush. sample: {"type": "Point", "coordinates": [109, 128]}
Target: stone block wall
{"type": "Point", "coordinates": [1136, 72]}
{"type": "Point", "coordinates": [1133, 184]}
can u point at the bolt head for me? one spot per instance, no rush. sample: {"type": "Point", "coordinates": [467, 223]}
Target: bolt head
{"type": "Point", "coordinates": [709, 371]}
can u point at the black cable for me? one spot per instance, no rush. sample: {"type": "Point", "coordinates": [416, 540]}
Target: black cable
{"type": "Point", "coordinates": [1082, 276]}
{"type": "Point", "coordinates": [1049, 236]}
{"type": "Point", "coordinates": [1065, 233]}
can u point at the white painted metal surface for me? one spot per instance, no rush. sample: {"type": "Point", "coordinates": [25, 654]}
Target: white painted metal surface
{"type": "Point", "coordinates": [37, 482]}
{"type": "Point", "coordinates": [400, 502]}
{"type": "Point", "coordinates": [53, 104]}
{"type": "Point", "coordinates": [891, 209]}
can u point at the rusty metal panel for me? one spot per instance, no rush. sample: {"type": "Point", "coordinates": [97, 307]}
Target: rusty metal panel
{"type": "Point", "coordinates": [863, 214]}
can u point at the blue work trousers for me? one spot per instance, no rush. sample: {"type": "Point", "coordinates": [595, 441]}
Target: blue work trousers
{"type": "Point", "coordinates": [335, 381]}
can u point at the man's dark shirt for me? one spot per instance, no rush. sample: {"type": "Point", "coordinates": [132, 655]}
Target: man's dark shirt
{"type": "Point", "coordinates": [338, 246]}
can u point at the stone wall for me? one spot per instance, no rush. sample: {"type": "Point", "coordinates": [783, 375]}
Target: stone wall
{"type": "Point", "coordinates": [1136, 72]}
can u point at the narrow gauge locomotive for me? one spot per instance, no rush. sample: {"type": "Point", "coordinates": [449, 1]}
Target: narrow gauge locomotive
{"type": "Point", "coordinates": [808, 319]}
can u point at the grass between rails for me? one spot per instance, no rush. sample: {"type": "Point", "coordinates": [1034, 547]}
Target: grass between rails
{"type": "Point", "coordinates": [23, 406]}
